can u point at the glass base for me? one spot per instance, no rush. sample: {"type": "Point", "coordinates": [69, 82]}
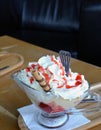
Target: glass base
{"type": "Point", "coordinates": [52, 120]}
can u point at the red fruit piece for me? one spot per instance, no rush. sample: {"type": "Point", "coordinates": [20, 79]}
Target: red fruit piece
{"type": "Point", "coordinates": [45, 107]}
{"type": "Point", "coordinates": [55, 107]}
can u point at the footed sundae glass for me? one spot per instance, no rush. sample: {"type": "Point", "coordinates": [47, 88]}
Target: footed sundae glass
{"type": "Point", "coordinates": [54, 111]}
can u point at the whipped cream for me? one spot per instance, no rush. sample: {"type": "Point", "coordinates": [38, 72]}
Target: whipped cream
{"type": "Point", "coordinates": [53, 72]}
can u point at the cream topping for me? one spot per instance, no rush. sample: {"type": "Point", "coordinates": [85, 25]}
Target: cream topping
{"type": "Point", "coordinates": [53, 72]}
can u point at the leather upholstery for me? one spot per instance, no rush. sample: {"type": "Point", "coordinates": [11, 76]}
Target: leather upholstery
{"type": "Point", "coordinates": [89, 41]}
{"type": "Point", "coordinates": [10, 15]}
{"type": "Point", "coordinates": [60, 15]}
{"type": "Point", "coordinates": [74, 25]}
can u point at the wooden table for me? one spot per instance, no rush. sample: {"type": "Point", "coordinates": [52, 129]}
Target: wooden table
{"type": "Point", "coordinates": [12, 97]}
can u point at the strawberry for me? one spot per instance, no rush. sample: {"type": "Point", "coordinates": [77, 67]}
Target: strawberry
{"type": "Point", "coordinates": [45, 107]}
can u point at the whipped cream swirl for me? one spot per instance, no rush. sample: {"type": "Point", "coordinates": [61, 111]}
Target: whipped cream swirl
{"type": "Point", "coordinates": [53, 72]}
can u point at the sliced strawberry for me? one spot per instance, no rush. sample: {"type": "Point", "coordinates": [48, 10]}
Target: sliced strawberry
{"type": "Point", "coordinates": [58, 109]}
{"type": "Point", "coordinates": [45, 107]}
{"type": "Point", "coordinates": [55, 107]}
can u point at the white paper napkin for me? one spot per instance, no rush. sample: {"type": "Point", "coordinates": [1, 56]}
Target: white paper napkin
{"type": "Point", "coordinates": [29, 114]}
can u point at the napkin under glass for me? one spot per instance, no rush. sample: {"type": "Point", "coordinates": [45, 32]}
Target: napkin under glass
{"type": "Point", "coordinates": [29, 114]}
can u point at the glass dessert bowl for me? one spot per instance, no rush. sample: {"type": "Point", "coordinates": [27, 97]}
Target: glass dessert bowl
{"type": "Point", "coordinates": [53, 109]}
{"type": "Point", "coordinates": [52, 91]}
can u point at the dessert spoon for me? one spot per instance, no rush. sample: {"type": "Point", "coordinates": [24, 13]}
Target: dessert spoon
{"type": "Point", "coordinates": [65, 59]}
